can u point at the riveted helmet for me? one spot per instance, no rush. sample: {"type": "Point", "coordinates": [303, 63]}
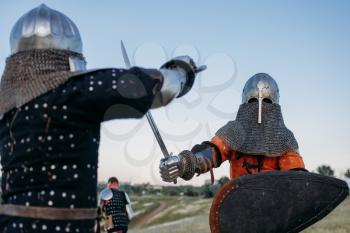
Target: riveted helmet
{"type": "Point", "coordinates": [45, 28]}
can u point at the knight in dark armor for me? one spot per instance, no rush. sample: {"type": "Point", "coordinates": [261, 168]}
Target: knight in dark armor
{"type": "Point", "coordinates": [256, 141]}
{"type": "Point", "coordinates": [51, 109]}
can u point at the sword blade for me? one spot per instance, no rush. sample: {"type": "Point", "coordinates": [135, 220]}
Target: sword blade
{"type": "Point", "coordinates": [125, 55]}
{"type": "Point", "coordinates": [157, 134]}
{"type": "Point", "coordinates": [148, 114]}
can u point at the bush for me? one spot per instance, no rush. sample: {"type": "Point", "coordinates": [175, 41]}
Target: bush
{"type": "Point", "coordinates": [325, 170]}
{"type": "Point", "coordinates": [347, 173]}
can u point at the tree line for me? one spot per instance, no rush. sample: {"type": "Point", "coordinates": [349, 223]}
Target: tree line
{"type": "Point", "coordinates": [207, 190]}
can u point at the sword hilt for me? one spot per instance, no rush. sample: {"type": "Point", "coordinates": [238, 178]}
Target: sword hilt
{"type": "Point", "coordinates": [200, 68]}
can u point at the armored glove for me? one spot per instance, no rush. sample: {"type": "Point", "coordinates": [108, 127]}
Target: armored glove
{"type": "Point", "coordinates": [201, 159]}
{"type": "Point", "coordinates": [182, 165]}
{"type": "Point", "coordinates": [178, 78]}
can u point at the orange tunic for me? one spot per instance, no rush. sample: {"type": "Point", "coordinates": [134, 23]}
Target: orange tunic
{"type": "Point", "coordinates": [289, 160]}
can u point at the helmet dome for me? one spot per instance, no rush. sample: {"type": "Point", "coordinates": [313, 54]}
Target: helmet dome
{"type": "Point", "coordinates": [262, 86]}
{"type": "Point", "coordinates": [45, 28]}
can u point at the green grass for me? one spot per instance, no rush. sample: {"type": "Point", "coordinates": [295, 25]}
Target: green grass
{"type": "Point", "coordinates": [181, 208]}
{"type": "Point", "coordinates": [197, 224]}
{"type": "Point", "coordinates": [337, 221]}
{"type": "Point", "coordinates": [142, 206]}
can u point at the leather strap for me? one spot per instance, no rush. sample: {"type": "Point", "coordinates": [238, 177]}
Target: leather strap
{"type": "Point", "coordinates": [48, 213]}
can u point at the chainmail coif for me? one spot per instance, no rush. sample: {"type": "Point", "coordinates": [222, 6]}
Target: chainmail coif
{"type": "Point", "coordinates": [246, 135]}
{"type": "Point", "coordinates": [31, 73]}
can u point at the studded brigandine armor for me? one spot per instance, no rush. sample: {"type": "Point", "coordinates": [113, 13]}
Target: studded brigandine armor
{"type": "Point", "coordinates": [51, 109]}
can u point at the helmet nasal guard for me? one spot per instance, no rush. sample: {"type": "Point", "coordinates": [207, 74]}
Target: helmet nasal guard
{"type": "Point", "coordinates": [261, 87]}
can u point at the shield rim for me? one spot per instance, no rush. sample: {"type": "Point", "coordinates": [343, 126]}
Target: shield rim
{"type": "Point", "coordinates": [217, 202]}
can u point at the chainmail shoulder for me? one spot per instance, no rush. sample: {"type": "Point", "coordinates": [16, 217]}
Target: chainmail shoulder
{"type": "Point", "coordinates": [232, 134]}
{"type": "Point", "coordinates": [29, 74]}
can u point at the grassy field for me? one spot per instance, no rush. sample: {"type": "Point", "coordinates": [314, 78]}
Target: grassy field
{"type": "Point", "coordinates": [190, 215]}
{"type": "Point", "coordinates": [336, 222]}
{"type": "Point", "coordinates": [173, 209]}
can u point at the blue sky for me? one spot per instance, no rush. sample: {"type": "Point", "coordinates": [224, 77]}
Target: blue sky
{"type": "Point", "coordinates": [304, 45]}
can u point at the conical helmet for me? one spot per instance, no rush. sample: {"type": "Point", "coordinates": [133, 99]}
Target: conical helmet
{"type": "Point", "coordinates": [260, 88]}
{"type": "Point", "coordinates": [45, 28]}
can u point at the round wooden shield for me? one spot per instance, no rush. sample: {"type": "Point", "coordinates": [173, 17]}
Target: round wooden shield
{"type": "Point", "coordinates": [276, 201]}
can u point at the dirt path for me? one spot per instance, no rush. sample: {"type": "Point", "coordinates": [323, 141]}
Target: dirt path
{"type": "Point", "coordinates": [146, 219]}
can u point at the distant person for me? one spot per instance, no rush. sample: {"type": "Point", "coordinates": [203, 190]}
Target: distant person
{"type": "Point", "coordinates": [117, 209]}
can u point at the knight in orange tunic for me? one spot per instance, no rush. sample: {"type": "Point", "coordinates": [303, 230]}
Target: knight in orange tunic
{"type": "Point", "coordinates": [244, 164]}
{"type": "Point", "coordinates": [256, 141]}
